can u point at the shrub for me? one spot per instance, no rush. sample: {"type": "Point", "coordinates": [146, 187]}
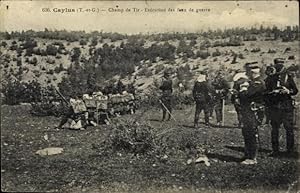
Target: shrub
{"type": "Point", "coordinates": [51, 50]}
{"type": "Point", "coordinates": [33, 61]}
{"type": "Point", "coordinates": [51, 72]}
{"type": "Point", "coordinates": [19, 62]}
{"type": "Point", "coordinates": [82, 42]}
{"type": "Point", "coordinates": [202, 54]}
{"type": "Point", "coordinates": [29, 51]}
{"type": "Point", "coordinates": [3, 44]}
{"type": "Point", "coordinates": [216, 53]}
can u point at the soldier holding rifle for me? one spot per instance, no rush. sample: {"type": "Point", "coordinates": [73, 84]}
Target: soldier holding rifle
{"type": "Point", "coordinates": [166, 97]}
{"type": "Point", "coordinates": [280, 89]}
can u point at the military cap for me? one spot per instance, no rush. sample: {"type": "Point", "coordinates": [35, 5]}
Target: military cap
{"type": "Point", "coordinates": [251, 65]}
{"type": "Point", "coordinates": [279, 64]}
{"type": "Point", "coordinates": [278, 60]}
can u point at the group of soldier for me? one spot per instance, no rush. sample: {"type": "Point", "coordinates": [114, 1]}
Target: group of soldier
{"type": "Point", "coordinates": [88, 109]}
{"type": "Point", "coordinates": [253, 97]}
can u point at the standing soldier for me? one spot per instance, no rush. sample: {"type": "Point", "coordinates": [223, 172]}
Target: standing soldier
{"type": "Point", "coordinates": [238, 79]}
{"type": "Point", "coordinates": [279, 95]}
{"type": "Point", "coordinates": [251, 100]}
{"type": "Point", "coordinates": [201, 96]}
{"type": "Point", "coordinates": [271, 73]}
{"type": "Point", "coordinates": [221, 88]}
{"type": "Point", "coordinates": [166, 97]}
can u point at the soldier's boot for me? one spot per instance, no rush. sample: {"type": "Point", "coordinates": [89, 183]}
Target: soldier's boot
{"type": "Point", "coordinates": [275, 142]}
{"type": "Point", "coordinates": [196, 124]}
{"type": "Point", "coordinates": [290, 144]}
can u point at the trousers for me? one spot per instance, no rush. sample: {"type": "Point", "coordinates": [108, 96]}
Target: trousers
{"type": "Point", "coordinates": [219, 109]}
{"type": "Point", "coordinates": [167, 103]}
{"type": "Point", "coordinates": [199, 107]}
{"type": "Point", "coordinates": [285, 117]}
{"type": "Point", "coordinates": [249, 131]}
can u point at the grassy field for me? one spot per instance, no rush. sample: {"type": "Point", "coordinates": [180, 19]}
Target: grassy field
{"type": "Point", "coordinates": [83, 167]}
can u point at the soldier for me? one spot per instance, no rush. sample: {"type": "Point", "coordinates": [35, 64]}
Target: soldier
{"type": "Point", "coordinates": [120, 87]}
{"type": "Point", "coordinates": [166, 97]}
{"type": "Point", "coordinates": [270, 72]}
{"type": "Point", "coordinates": [221, 88]}
{"type": "Point", "coordinates": [238, 79]}
{"type": "Point", "coordinates": [251, 99]}
{"type": "Point", "coordinates": [280, 90]}
{"type": "Point", "coordinates": [201, 96]}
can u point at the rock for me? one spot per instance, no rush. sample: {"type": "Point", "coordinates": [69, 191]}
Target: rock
{"type": "Point", "coordinates": [5, 144]}
{"type": "Point", "coordinates": [189, 161]}
{"type": "Point", "coordinates": [50, 151]}
{"type": "Point", "coordinates": [154, 165]}
{"type": "Point", "coordinates": [46, 137]}
{"type": "Point", "coordinates": [203, 159]}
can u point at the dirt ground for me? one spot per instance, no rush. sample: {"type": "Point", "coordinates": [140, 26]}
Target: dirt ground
{"type": "Point", "coordinates": [82, 168]}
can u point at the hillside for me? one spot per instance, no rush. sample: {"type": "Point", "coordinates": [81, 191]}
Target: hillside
{"type": "Point", "coordinates": [145, 58]}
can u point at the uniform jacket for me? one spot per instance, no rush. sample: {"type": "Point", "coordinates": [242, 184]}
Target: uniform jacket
{"type": "Point", "coordinates": [221, 87]}
{"type": "Point", "coordinates": [273, 96]}
{"type": "Point", "coordinates": [166, 87]}
{"type": "Point", "coordinates": [254, 93]}
{"type": "Point", "coordinates": [201, 92]}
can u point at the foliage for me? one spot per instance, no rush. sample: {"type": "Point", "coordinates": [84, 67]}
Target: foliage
{"type": "Point", "coordinates": [16, 92]}
{"type": "Point", "coordinates": [51, 50]}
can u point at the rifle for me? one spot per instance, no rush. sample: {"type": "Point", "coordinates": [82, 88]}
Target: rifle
{"type": "Point", "coordinates": [62, 96]}
{"type": "Point", "coordinates": [167, 110]}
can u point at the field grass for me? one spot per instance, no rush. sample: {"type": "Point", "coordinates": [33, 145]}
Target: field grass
{"type": "Point", "coordinates": [82, 167]}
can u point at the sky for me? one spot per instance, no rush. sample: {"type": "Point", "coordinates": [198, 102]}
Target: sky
{"type": "Point", "coordinates": [26, 15]}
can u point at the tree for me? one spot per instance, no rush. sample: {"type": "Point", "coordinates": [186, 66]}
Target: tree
{"type": "Point", "coordinates": [75, 54]}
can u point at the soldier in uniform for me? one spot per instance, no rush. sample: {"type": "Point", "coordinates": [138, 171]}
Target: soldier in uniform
{"type": "Point", "coordinates": [202, 97]}
{"type": "Point", "coordinates": [166, 97]}
{"type": "Point", "coordinates": [270, 72]}
{"type": "Point", "coordinates": [238, 79]}
{"type": "Point", "coordinates": [280, 90]}
{"type": "Point", "coordinates": [251, 100]}
{"type": "Point", "coordinates": [221, 88]}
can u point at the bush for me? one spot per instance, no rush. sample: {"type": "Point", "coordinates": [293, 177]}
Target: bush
{"type": "Point", "coordinates": [13, 47]}
{"type": "Point", "coordinates": [145, 72]}
{"type": "Point", "coordinates": [82, 42]}
{"type": "Point", "coordinates": [33, 61]}
{"type": "Point", "coordinates": [3, 44]}
{"type": "Point", "coordinates": [50, 61]}
{"type": "Point", "coordinates": [94, 41]}
{"type": "Point", "coordinates": [59, 69]}
{"type": "Point", "coordinates": [51, 72]}
{"type": "Point", "coordinates": [19, 62]}
{"type": "Point", "coordinates": [159, 68]}
{"type": "Point", "coordinates": [29, 52]}
{"type": "Point", "coordinates": [202, 54]}
{"type": "Point", "coordinates": [51, 50]}
{"type": "Point", "coordinates": [216, 53]}
{"type": "Point", "coordinates": [58, 57]}
{"type": "Point", "coordinates": [130, 138]}
{"type": "Point", "coordinates": [29, 43]}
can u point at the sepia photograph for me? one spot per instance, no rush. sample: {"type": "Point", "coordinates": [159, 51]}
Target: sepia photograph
{"type": "Point", "coordinates": [149, 96]}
